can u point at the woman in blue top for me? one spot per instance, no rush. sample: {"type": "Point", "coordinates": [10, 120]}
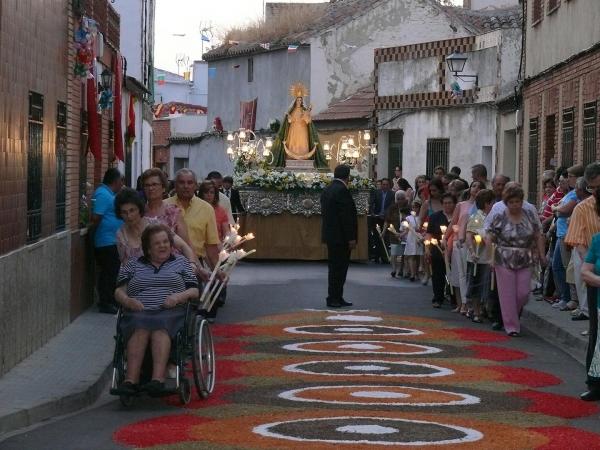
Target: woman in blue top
{"type": "Point", "coordinates": [590, 273]}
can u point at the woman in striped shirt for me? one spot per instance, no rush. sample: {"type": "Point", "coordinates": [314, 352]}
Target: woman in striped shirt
{"type": "Point", "coordinates": [153, 290]}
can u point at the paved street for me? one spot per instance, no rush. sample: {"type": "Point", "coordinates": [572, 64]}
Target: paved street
{"type": "Point", "coordinates": [390, 371]}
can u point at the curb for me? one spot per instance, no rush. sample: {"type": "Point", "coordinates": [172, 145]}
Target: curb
{"type": "Point", "coordinates": [569, 342]}
{"type": "Point", "coordinates": [57, 407]}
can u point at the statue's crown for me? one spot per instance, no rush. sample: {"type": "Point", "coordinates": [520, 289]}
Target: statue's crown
{"type": "Point", "coordinates": [298, 90]}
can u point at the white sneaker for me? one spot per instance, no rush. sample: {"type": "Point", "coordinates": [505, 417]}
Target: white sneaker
{"type": "Point", "coordinates": [559, 305]}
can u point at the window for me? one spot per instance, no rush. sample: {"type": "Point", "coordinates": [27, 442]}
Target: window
{"type": "Point", "coordinates": [437, 154]}
{"type": "Point", "coordinates": [567, 137]}
{"type": "Point", "coordinates": [536, 15]}
{"type": "Point", "coordinates": [180, 163]}
{"type": "Point", "coordinates": [590, 121]}
{"type": "Point", "coordinates": [533, 160]}
{"type": "Point", "coordinates": [550, 147]}
{"type": "Point", "coordinates": [395, 141]}
{"type": "Point", "coordinates": [250, 70]}
{"type": "Point", "coordinates": [553, 5]}
{"type": "Point", "coordinates": [61, 164]}
{"type": "Point", "coordinates": [34, 166]}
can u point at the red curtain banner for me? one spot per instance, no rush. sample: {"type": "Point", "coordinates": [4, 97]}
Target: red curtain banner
{"type": "Point", "coordinates": [117, 107]}
{"type": "Point", "coordinates": [248, 114]}
{"type": "Point", "coordinates": [131, 121]}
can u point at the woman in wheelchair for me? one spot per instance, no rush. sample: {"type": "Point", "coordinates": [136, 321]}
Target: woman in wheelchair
{"type": "Point", "coordinates": [153, 290]}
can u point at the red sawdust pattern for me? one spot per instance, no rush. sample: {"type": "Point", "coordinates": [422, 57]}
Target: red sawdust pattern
{"type": "Point", "coordinates": [556, 405]}
{"type": "Point", "coordinates": [214, 399]}
{"type": "Point", "coordinates": [227, 369]}
{"type": "Point", "coordinates": [562, 438]}
{"type": "Point", "coordinates": [159, 431]}
{"type": "Point", "coordinates": [526, 377]}
{"type": "Point", "coordinates": [497, 353]}
{"type": "Point", "coordinates": [233, 330]}
{"type": "Point", "coordinates": [229, 348]}
{"type": "Point", "coordinates": [468, 334]}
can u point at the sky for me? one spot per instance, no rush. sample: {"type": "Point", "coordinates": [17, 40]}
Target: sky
{"type": "Point", "coordinates": [176, 17]}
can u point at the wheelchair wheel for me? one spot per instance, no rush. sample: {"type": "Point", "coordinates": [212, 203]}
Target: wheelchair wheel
{"type": "Point", "coordinates": [119, 371]}
{"type": "Point", "coordinates": [185, 391]}
{"type": "Point", "coordinates": [203, 361]}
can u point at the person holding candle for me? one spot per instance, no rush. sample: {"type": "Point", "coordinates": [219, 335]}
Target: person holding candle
{"type": "Point", "coordinates": [457, 252]}
{"type": "Point", "coordinates": [434, 203]}
{"type": "Point", "coordinates": [479, 255]}
{"type": "Point", "coordinates": [433, 251]}
{"type": "Point", "coordinates": [517, 233]}
{"type": "Point", "coordinates": [395, 217]}
{"type": "Point", "coordinates": [413, 251]}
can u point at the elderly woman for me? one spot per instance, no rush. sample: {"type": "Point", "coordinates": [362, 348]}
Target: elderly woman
{"type": "Point", "coordinates": [518, 238]}
{"type": "Point", "coordinates": [395, 215]}
{"type": "Point", "coordinates": [153, 290]}
{"type": "Point", "coordinates": [129, 207]}
{"type": "Point", "coordinates": [208, 192]}
{"type": "Point", "coordinates": [155, 185]}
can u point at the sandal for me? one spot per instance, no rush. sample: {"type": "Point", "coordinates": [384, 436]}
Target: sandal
{"type": "Point", "coordinates": [127, 388]}
{"type": "Point", "coordinates": [477, 319]}
{"type": "Point", "coordinates": [154, 387]}
{"type": "Point", "coordinates": [514, 334]}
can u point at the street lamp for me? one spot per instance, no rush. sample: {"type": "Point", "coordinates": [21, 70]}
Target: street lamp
{"type": "Point", "coordinates": [106, 77]}
{"type": "Point", "coordinates": [456, 63]}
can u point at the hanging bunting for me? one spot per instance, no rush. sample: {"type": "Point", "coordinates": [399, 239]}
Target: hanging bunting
{"type": "Point", "coordinates": [117, 109]}
{"type": "Point", "coordinates": [93, 123]}
{"type": "Point", "coordinates": [131, 121]}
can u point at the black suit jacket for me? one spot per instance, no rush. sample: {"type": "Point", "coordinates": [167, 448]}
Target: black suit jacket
{"type": "Point", "coordinates": [339, 217]}
{"type": "Point", "coordinates": [376, 202]}
{"type": "Point", "coordinates": [236, 202]}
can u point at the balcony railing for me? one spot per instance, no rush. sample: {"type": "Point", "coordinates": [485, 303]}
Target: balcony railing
{"type": "Point", "coordinates": [109, 21]}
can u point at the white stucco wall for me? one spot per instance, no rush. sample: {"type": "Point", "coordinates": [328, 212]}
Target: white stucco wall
{"type": "Point", "coordinates": [415, 75]}
{"type": "Point", "coordinates": [204, 157]}
{"type": "Point", "coordinates": [131, 31]}
{"type": "Point", "coordinates": [172, 91]}
{"type": "Point", "coordinates": [274, 72]}
{"type": "Point", "coordinates": [453, 124]}
{"type": "Point", "coordinates": [572, 28]}
{"type": "Point", "coordinates": [188, 124]}
{"type": "Point", "coordinates": [342, 58]}
{"type": "Point", "coordinates": [199, 91]}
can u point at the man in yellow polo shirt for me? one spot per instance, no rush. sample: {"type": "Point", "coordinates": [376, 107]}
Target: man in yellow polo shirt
{"type": "Point", "coordinates": [198, 215]}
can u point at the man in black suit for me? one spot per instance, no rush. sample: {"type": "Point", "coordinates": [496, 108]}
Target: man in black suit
{"type": "Point", "coordinates": [339, 231]}
{"type": "Point", "coordinates": [234, 197]}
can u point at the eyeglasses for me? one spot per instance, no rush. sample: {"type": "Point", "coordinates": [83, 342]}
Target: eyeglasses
{"type": "Point", "coordinates": [592, 189]}
{"type": "Point", "coordinates": [152, 185]}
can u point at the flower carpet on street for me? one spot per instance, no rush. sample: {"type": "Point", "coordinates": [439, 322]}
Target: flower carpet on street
{"type": "Point", "coordinates": [323, 379]}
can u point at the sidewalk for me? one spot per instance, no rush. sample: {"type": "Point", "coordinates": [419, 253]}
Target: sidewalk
{"type": "Point", "coordinates": [65, 375]}
{"type": "Point", "coordinates": [557, 328]}
{"type": "Point", "coordinates": [72, 370]}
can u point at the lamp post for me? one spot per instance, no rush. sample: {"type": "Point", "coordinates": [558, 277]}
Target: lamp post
{"type": "Point", "coordinates": [106, 80]}
{"type": "Point", "coordinates": [456, 64]}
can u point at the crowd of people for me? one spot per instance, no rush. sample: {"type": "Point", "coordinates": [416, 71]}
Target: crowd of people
{"type": "Point", "coordinates": [154, 247]}
{"type": "Point", "coordinates": [487, 249]}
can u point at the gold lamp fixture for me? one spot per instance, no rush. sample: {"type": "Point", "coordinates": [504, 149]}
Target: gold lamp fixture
{"type": "Point", "coordinates": [350, 150]}
{"type": "Point", "coordinates": [245, 144]}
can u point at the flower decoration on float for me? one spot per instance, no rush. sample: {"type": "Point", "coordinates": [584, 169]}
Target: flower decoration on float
{"type": "Point", "coordinates": [269, 179]}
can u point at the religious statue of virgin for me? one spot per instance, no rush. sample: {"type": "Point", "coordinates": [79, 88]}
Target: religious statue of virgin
{"type": "Point", "coordinates": [297, 137]}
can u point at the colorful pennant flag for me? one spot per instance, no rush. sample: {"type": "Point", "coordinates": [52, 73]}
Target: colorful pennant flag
{"type": "Point", "coordinates": [292, 48]}
{"type": "Point", "coordinates": [205, 38]}
{"type": "Point", "coordinates": [161, 79]}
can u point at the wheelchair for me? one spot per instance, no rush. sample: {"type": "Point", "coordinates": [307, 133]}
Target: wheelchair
{"type": "Point", "coordinates": [192, 351]}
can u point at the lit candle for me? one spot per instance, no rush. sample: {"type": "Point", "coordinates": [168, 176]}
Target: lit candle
{"type": "Point", "coordinates": [405, 224]}
{"type": "Point", "coordinates": [477, 238]}
{"type": "Point", "coordinates": [249, 236]}
{"type": "Point", "coordinates": [427, 242]}
{"type": "Point", "coordinates": [434, 241]}
{"type": "Point", "coordinates": [392, 228]}
{"type": "Point", "coordinates": [443, 229]}
{"type": "Point", "coordinates": [425, 225]}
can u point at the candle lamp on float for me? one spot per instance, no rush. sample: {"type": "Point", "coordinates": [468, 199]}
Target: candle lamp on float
{"type": "Point", "coordinates": [245, 146]}
{"type": "Point", "coordinates": [350, 151]}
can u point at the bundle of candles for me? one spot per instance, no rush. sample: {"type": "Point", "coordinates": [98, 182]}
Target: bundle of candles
{"type": "Point", "coordinates": [228, 258]}
{"type": "Point", "coordinates": [380, 233]}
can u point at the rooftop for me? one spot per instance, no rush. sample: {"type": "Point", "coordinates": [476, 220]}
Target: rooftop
{"type": "Point", "coordinates": [358, 106]}
{"type": "Point", "coordinates": [165, 109]}
{"type": "Point", "coordinates": [340, 12]}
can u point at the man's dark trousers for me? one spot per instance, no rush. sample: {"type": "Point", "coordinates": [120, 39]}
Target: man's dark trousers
{"type": "Point", "coordinates": [338, 262]}
{"type": "Point", "coordinates": [108, 260]}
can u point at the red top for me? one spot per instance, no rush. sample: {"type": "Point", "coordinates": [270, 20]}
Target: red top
{"type": "Point", "coordinates": [221, 216]}
{"type": "Point", "coordinates": [554, 199]}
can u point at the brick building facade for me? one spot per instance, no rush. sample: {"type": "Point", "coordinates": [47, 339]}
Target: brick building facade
{"type": "Point", "coordinates": [46, 271]}
{"type": "Point", "coordinates": [561, 91]}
